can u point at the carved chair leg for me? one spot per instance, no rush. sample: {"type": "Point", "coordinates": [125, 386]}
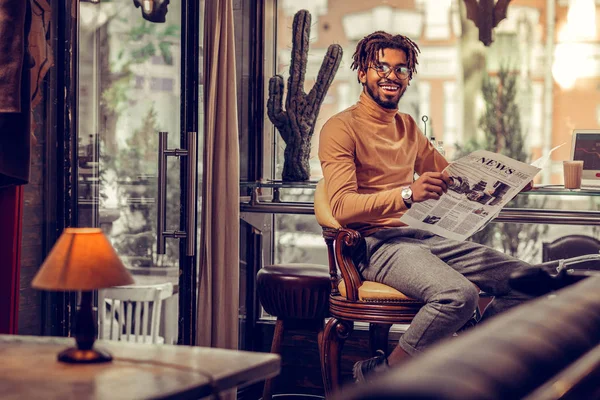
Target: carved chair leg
{"type": "Point", "coordinates": [331, 343]}
{"type": "Point", "coordinates": [378, 337]}
{"type": "Point", "coordinates": [276, 349]}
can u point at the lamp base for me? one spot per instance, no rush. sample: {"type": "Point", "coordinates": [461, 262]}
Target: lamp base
{"type": "Point", "coordinates": [74, 355]}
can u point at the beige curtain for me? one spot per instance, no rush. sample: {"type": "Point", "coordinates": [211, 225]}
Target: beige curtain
{"type": "Point", "coordinates": [218, 298]}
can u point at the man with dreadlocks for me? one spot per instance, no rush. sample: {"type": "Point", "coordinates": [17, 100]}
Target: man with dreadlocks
{"type": "Point", "coordinates": [369, 154]}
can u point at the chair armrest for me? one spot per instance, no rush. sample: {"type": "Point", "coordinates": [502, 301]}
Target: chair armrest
{"type": "Point", "coordinates": [346, 241]}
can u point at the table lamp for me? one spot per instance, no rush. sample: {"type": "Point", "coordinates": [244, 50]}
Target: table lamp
{"type": "Point", "coordinates": [82, 260]}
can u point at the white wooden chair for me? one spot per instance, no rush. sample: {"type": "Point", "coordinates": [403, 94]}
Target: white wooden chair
{"type": "Point", "coordinates": [134, 312]}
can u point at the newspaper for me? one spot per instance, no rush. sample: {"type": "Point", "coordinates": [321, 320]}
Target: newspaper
{"type": "Point", "coordinates": [482, 183]}
{"type": "Point", "coordinates": [543, 160]}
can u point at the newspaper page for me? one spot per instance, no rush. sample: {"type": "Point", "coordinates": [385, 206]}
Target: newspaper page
{"type": "Point", "coordinates": [482, 183]}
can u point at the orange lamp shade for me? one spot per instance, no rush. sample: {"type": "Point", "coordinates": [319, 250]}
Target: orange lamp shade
{"type": "Point", "coordinates": [81, 259]}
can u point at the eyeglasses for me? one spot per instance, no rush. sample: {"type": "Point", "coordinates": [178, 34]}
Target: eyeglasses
{"type": "Point", "coordinates": [384, 71]}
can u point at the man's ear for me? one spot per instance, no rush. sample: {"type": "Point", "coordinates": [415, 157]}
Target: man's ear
{"type": "Point", "coordinates": [362, 76]}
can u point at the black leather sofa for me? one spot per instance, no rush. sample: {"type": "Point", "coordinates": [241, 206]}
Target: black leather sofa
{"type": "Point", "coordinates": [546, 348]}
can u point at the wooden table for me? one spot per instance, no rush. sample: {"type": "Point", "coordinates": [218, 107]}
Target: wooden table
{"type": "Point", "coordinates": [29, 370]}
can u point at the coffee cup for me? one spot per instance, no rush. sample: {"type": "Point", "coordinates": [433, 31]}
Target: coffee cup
{"type": "Point", "coordinates": [572, 172]}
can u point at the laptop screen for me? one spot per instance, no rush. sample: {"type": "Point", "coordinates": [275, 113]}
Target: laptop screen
{"type": "Point", "coordinates": [586, 147]}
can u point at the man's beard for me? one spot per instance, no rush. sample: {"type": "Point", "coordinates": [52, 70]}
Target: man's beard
{"type": "Point", "coordinates": [389, 104]}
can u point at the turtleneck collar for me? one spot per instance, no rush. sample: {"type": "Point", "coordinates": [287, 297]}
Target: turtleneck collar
{"type": "Point", "coordinates": [374, 110]}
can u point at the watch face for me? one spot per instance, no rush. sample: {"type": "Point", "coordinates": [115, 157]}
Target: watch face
{"type": "Point", "coordinates": [406, 193]}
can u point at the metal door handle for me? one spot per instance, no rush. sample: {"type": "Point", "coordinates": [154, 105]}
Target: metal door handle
{"type": "Point", "coordinates": [192, 192]}
{"type": "Point", "coordinates": [161, 214]}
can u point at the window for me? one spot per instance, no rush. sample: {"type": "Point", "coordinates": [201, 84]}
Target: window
{"type": "Point", "coordinates": [139, 82]}
{"type": "Point", "coordinates": [162, 84]}
{"type": "Point", "coordinates": [556, 87]}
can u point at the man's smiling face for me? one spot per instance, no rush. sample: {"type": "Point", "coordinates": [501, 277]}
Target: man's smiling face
{"type": "Point", "coordinates": [386, 91]}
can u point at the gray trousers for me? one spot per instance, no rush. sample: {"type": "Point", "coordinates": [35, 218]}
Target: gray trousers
{"type": "Point", "coordinates": [439, 272]}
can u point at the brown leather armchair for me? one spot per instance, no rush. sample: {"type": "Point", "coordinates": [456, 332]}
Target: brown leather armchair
{"type": "Point", "coordinates": [572, 246]}
{"type": "Point", "coordinates": [353, 299]}
{"type": "Point", "coordinates": [548, 348]}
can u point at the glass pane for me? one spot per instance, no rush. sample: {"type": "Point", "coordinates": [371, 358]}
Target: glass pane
{"type": "Point", "coordinates": [129, 90]}
{"type": "Point", "coordinates": [299, 239]}
{"type": "Point", "coordinates": [552, 98]}
{"type": "Point", "coordinates": [546, 49]}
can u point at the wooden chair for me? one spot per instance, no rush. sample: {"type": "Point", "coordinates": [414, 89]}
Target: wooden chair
{"type": "Point", "coordinates": [353, 299]}
{"type": "Point", "coordinates": [134, 312]}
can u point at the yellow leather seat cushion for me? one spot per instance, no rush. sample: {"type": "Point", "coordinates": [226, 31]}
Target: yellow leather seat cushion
{"type": "Point", "coordinates": [374, 291]}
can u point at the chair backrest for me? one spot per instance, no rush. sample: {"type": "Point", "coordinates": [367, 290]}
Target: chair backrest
{"type": "Point", "coordinates": [570, 246]}
{"type": "Point", "coordinates": [136, 311]}
{"type": "Point", "coordinates": [337, 239]}
{"type": "Point", "coordinates": [323, 211]}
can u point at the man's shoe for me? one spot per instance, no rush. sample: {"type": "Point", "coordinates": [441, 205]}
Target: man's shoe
{"type": "Point", "coordinates": [363, 371]}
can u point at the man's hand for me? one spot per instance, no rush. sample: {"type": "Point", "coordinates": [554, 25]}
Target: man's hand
{"type": "Point", "coordinates": [430, 185]}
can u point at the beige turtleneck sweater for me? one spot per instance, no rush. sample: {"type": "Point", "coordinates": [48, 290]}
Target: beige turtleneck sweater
{"type": "Point", "coordinates": [368, 154]}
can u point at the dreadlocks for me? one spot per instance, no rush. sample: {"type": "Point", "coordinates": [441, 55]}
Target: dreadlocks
{"type": "Point", "coordinates": [367, 50]}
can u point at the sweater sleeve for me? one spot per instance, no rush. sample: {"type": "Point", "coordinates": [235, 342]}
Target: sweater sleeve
{"type": "Point", "coordinates": [337, 150]}
{"type": "Point", "coordinates": [428, 158]}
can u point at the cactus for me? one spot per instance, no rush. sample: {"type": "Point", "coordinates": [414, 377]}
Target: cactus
{"type": "Point", "coordinates": [296, 123]}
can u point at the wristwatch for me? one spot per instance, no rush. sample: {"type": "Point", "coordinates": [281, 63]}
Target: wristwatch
{"type": "Point", "coordinates": [407, 196]}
